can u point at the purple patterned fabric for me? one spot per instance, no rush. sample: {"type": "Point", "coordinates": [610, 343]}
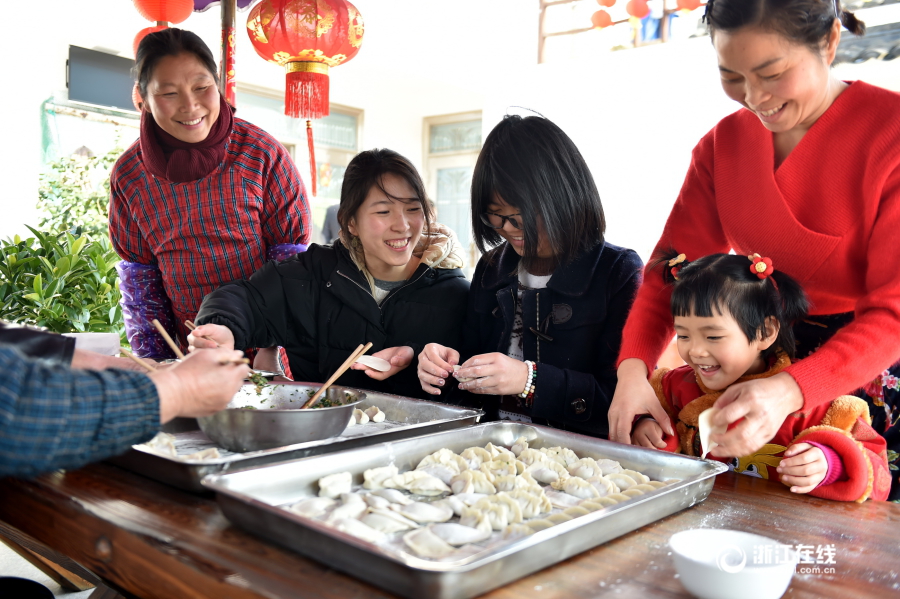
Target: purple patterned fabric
{"type": "Point", "coordinates": [203, 5]}
{"type": "Point", "coordinates": [143, 299]}
{"type": "Point", "coordinates": [283, 251]}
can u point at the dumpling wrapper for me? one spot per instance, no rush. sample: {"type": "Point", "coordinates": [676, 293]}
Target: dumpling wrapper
{"type": "Point", "coordinates": [374, 363]}
{"type": "Point", "coordinates": [704, 422]}
{"type": "Point", "coordinates": [461, 379]}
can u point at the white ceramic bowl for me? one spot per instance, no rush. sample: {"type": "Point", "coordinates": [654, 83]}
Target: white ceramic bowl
{"type": "Point", "coordinates": [729, 564]}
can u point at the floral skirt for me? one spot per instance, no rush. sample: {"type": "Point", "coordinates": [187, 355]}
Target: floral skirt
{"type": "Point", "coordinates": [882, 394]}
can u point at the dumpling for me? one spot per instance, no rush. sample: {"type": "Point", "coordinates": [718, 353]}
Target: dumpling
{"type": "Point", "coordinates": [313, 507]}
{"type": "Point", "coordinates": [638, 477]}
{"type": "Point", "coordinates": [558, 518]}
{"type": "Point", "coordinates": [497, 451]}
{"type": "Point", "coordinates": [441, 472]}
{"type": "Point", "coordinates": [517, 531]}
{"type": "Point", "coordinates": [459, 502]}
{"type": "Point", "coordinates": [457, 534]}
{"type": "Point", "coordinates": [162, 443]}
{"type": "Point", "coordinates": [577, 487]}
{"type": "Point", "coordinates": [576, 511]}
{"type": "Point", "coordinates": [387, 521]}
{"type": "Point", "coordinates": [334, 484]}
{"type": "Point", "coordinates": [360, 417]}
{"type": "Point", "coordinates": [609, 466]}
{"type": "Point", "coordinates": [417, 483]}
{"type": "Point", "coordinates": [603, 485]}
{"type": "Point", "coordinates": [518, 446]}
{"type": "Point", "coordinates": [515, 510]}
{"type": "Point", "coordinates": [511, 482]}
{"type": "Point", "coordinates": [425, 543]}
{"type": "Point", "coordinates": [377, 502]}
{"type": "Point", "coordinates": [351, 509]}
{"type": "Point", "coordinates": [375, 414]}
{"type": "Point", "coordinates": [444, 457]}
{"type": "Point", "coordinates": [475, 456]}
{"type": "Point", "coordinates": [532, 503]}
{"type": "Point", "coordinates": [621, 480]}
{"type": "Point", "coordinates": [472, 481]}
{"type": "Point", "coordinates": [374, 477]}
{"type": "Point", "coordinates": [560, 499]}
{"type": "Point", "coordinates": [425, 512]}
{"type": "Point", "coordinates": [500, 468]}
{"type": "Point", "coordinates": [359, 530]}
{"type": "Point", "coordinates": [529, 456]}
{"type": "Point", "coordinates": [645, 488]}
{"type": "Point", "coordinates": [393, 495]}
{"type": "Point", "coordinates": [585, 468]}
{"type": "Point", "coordinates": [632, 492]}
{"type": "Point", "coordinates": [658, 484]}
{"type": "Point", "coordinates": [562, 455]}
{"type": "Point", "coordinates": [548, 472]}
{"type": "Point", "coordinates": [210, 453]}
{"type": "Point", "coordinates": [599, 502]}
{"type": "Point", "coordinates": [497, 514]}
{"type": "Point", "coordinates": [539, 524]}
{"type": "Point", "coordinates": [617, 497]}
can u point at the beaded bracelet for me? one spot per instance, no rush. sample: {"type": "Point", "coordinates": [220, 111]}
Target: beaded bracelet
{"type": "Point", "coordinates": [528, 393]}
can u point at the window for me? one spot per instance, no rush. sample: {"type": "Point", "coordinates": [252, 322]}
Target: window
{"type": "Point", "coordinates": [452, 144]}
{"type": "Point", "coordinates": [335, 137]}
{"type": "Point", "coordinates": [99, 78]}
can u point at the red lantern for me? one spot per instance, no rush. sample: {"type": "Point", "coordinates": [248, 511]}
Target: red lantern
{"type": "Point", "coordinates": [601, 19]}
{"type": "Point", "coordinates": [688, 4]}
{"type": "Point", "coordinates": [306, 37]}
{"type": "Point", "coordinates": [144, 33]}
{"type": "Point", "coordinates": [637, 8]}
{"type": "Point", "coordinates": [169, 11]}
{"type": "Point", "coordinates": [606, 3]}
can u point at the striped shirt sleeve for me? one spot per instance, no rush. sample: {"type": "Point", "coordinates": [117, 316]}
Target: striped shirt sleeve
{"type": "Point", "coordinates": [54, 417]}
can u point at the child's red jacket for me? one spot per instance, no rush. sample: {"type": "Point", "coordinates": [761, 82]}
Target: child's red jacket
{"type": "Point", "coordinates": [843, 425]}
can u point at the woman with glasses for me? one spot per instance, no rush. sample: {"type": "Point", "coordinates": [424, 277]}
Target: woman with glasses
{"type": "Point", "coordinates": [549, 296]}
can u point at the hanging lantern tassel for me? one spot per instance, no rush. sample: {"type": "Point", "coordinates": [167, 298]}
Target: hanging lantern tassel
{"type": "Point", "coordinates": [312, 156]}
{"type": "Point", "coordinates": [306, 91]}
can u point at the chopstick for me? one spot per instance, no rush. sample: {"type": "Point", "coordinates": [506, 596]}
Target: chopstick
{"type": "Point", "coordinates": [191, 326]}
{"type": "Point", "coordinates": [360, 350]}
{"type": "Point", "coordinates": [150, 367]}
{"type": "Point", "coordinates": [168, 339]}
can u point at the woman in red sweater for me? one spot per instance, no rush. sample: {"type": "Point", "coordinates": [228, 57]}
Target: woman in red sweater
{"type": "Point", "coordinates": [809, 174]}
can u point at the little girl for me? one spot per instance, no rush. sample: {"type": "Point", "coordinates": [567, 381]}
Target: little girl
{"type": "Point", "coordinates": [733, 319]}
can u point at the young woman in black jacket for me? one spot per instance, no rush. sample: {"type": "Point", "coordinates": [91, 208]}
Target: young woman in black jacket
{"type": "Point", "coordinates": [393, 279]}
{"type": "Point", "coordinates": [548, 303]}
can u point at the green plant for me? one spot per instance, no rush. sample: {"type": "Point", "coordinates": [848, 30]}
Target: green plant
{"type": "Point", "coordinates": [74, 192]}
{"type": "Point", "coordinates": [66, 283]}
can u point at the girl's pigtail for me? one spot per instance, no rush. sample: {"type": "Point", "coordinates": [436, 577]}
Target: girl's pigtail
{"type": "Point", "coordinates": [670, 263]}
{"type": "Point", "coordinates": [849, 20]}
{"type": "Point", "coordinates": [794, 307]}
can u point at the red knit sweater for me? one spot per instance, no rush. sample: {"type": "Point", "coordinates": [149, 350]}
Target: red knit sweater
{"type": "Point", "coordinates": [829, 216]}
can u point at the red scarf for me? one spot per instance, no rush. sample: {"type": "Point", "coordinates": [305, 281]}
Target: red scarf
{"type": "Point", "coordinates": [178, 161]}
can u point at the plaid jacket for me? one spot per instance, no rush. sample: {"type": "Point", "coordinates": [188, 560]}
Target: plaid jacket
{"type": "Point", "coordinates": [208, 232]}
{"type": "Point", "coordinates": [53, 417]}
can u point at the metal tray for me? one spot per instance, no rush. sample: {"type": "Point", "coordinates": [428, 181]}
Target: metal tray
{"type": "Point", "coordinates": [404, 417]}
{"type": "Point", "coordinates": [251, 499]}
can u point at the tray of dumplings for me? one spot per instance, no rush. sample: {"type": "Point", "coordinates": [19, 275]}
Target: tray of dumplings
{"type": "Point", "coordinates": [455, 514]}
{"type": "Point", "coordinates": [182, 455]}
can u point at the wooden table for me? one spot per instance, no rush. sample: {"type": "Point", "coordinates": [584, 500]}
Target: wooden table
{"type": "Point", "coordinates": [152, 540]}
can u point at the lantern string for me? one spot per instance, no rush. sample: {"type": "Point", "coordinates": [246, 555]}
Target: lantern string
{"type": "Point", "coordinates": [312, 156]}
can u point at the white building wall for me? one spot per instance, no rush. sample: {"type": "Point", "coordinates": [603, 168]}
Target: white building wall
{"type": "Point", "coordinates": [634, 114]}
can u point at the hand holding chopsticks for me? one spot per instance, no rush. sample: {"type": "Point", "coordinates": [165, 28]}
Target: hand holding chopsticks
{"type": "Point", "coordinates": [191, 326]}
{"type": "Point", "coordinates": [360, 350]}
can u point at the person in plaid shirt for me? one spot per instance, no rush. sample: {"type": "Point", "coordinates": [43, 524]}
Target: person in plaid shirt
{"type": "Point", "coordinates": [200, 199]}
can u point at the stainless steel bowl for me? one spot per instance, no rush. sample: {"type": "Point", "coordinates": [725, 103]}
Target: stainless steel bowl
{"type": "Point", "coordinates": [273, 418]}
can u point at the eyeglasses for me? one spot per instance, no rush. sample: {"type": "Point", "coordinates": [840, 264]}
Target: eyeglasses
{"type": "Point", "coordinates": [498, 221]}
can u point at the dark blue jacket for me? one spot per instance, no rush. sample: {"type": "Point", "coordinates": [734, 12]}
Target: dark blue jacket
{"type": "Point", "coordinates": [573, 330]}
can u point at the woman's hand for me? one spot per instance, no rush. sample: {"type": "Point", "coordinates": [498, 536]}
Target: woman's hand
{"type": "Point", "coordinates": [803, 467]}
{"type": "Point", "coordinates": [634, 396]}
{"type": "Point", "coordinates": [494, 374]}
{"type": "Point", "coordinates": [648, 433]}
{"type": "Point", "coordinates": [221, 337]}
{"type": "Point", "coordinates": [763, 404]}
{"type": "Point", "coordinates": [436, 362]}
{"type": "Point", "coordinates": [399, 358]}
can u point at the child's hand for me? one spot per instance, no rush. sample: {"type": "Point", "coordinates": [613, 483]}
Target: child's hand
{"type": "Point", "coordinates": [803, 467]}
{"type": "Point", "coordinates": [648, 433]}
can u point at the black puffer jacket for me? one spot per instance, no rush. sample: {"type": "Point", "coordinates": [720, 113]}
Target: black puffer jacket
{"type": "Point", "coordinates": [317, 305]}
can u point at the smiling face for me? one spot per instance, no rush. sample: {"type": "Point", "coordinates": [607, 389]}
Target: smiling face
{"type": "Point", "coordinates": [718, 350]}
{"type": "Point", "coordinates": [516, 236]}
{"type": "Point", "coordinates": [183, 98]}
{"type": "Point", "coordinates": [389, 226]}
{"type": "Point", "coordinates": [786, 84]}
